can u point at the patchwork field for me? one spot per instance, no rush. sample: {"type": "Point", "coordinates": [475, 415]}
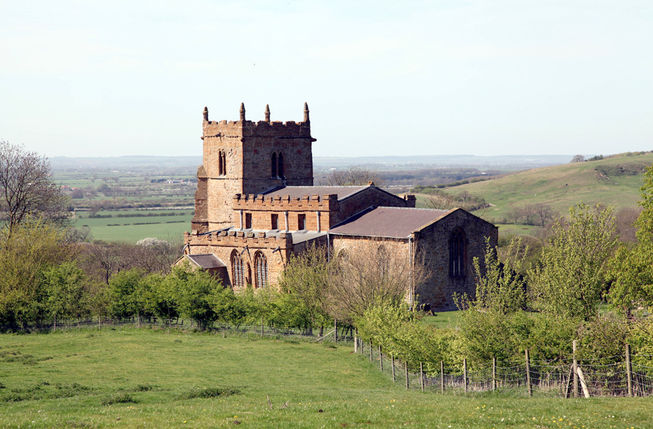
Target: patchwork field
{"type": "Point", "coordinates": [155, 378]}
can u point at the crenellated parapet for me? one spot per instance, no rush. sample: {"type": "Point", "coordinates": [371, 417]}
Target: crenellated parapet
{"type": "Point", "coordinates": [253, 202]}
{"type": "Point", "coordinates": [266, 128]}
{"type": "Point", "coordinates": [239, 239]}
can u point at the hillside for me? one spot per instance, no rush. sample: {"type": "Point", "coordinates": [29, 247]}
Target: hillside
{"type": "Point", "coordinates": [613, 181]}
{"type": "Point", "coordinates": [166, 378]}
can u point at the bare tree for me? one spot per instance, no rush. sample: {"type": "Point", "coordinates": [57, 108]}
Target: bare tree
{"type": "Point", "coordinates": [367, 273]}
{"type": "Point", "coordinates": [27, 188]}
{"type": "Point", "coordinates": [577, 158]}
{"type": "Point", "coordinates": [352, 176]}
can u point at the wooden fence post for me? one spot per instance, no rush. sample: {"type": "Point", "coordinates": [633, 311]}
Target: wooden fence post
{"type": "Point", "coordinates": [355, 343]}
{"type": "Point", "coordinates": [392, 362]}
{"type": "Point", "coordinates": [421, 375]}
{"type": "Point", "coordinates": [465, 373]}
{"type": "Point", "coordinates": [494, 373]}
{"type": "Point", "coordinates": [335, 330]}
{"type": "Point", "coordinates": [406, 371]}
{"type": "Point", "coordinates": [629, 371]}
{"type": "Point", "coordinates": [574, 369]}
{"type": "Point", "coordinates": [380, 358]}
{"type": "Point", "coordinates": [528, 373]}
{"type": "Point", "coordinates": [441, 376]}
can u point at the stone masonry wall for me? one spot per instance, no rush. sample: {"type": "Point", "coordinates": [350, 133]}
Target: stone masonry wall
{"type": "Point", "coordinates": [432, 248]}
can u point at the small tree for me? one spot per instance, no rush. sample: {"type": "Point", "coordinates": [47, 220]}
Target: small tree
{"type": "Point", "coordinates": [570, 277]}
{"type": "Point", "coordinates": [500, 283]}
{"type": "Point", "coordinates": [124, 289]}
{"type": "Point", "coordinates": [306, 277]}
{"type": "Point", "coordinates": [197, 291]}
{"type": "Point", "coordinates": [26, 188]}
{"type": "Point", "coordinates": [65, 291]}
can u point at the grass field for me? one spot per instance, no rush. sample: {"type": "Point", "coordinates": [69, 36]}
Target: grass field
{"type": "Point", "coordinates": [153, 378]}
{"type": "Point", "coordinates": [131, 225]}
{"type": "Point", "coordinates": [613, 181]}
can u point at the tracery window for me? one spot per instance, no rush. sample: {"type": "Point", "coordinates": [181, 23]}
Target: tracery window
{"type": "Point", "coordinates": [261, 267]}
{"type": "Point", "coordinates": [457, 254]}
{"type": "Point", "coordinates": [237, 270]}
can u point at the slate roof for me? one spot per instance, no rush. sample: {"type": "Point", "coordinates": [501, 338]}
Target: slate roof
{"type": "Point", "coordinates": [206, 261]}
{"type": "Point", "coordinates": [393, 222]}
{"type": "Point", "coordinates": [300, 191]}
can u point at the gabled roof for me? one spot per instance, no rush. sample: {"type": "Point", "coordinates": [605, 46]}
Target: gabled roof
{"type": "Point", "coordinates": [206, 261]}
{"type": "Point", "coordinates": [391, 222]}
{"type": "Point", "coordinates": [300, 191]}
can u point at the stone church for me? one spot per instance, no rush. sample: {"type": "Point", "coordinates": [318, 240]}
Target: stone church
{"type": "Point", "coordinates": [256, 205]}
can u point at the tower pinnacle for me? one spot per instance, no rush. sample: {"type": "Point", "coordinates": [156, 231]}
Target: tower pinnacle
{"type": "Point", "coordinates": [306, 119]}
{"type": "Point", "coordinates": [242, 112]}
{"type": "Point", "coordinates": [206, 113]}
{"type": "Point", "coordinates": [267, 113]}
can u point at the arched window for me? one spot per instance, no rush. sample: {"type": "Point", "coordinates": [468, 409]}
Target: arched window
{"type": "Point", "coordinates": [273, 165]}
{"type": "Point", "coordinates": [281, 166]}
{"type": "Point", "coordinates": [237, 271]}
{"type": "Point", "coordinates": [261, 268]}
{"type": "Point", "coordinates": [383, 259]}
{"type": "Point", "coordinates": [457, 254]}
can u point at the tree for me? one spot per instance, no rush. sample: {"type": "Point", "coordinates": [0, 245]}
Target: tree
{"type": "Point", "coordinates": [500, 283]}
{"type": "Point", "coordinates": [631, 269]}
{"type": "Point", "coordinates": [570, 277]}
{"type": "Point", "coordinates": [306, 276]}
{"type": "Point", "coordinates": [645, 219]}
{"type": "Point", "coordinates": [578, 158]}
{"type": "Point", "coordinates": [197, 294]}
{"type": "Point", "coordinates": [64, 286]}
{"type": "Point", "coordinates": [352, 176]}
{"type": "Point", "coordinates": [369, 273]}
{"type": "Point", "coordinates": [25, 254]}
{"type": "Point", "coordinates": [123, 291]}
{"type": "Point", "coordinates": [26, 187]}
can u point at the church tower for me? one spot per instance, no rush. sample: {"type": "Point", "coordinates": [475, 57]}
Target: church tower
{"type": "Point", "coordinates": [246, 157]}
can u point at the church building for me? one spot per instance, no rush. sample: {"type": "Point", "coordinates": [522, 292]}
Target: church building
{"type": "Point", "coordinates": [256, 205]}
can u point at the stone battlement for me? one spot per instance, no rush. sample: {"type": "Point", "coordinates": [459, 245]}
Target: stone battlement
{"type": "Point", "coordinates": [278, 203]}
{"type": "Point", "coordinates": [238, 239]}
{"type": "Point", "coordinates": [288, 129]}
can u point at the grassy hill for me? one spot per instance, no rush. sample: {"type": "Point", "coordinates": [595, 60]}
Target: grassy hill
{"type": "Point", "coordinates": [157, 378]}
{"type": "Point", "coordinates": [613, 181]}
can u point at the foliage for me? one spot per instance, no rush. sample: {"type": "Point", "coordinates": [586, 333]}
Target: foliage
{"type": "Point", "coordinates": [631, 277]}
{"type": "Point", "coordinates": [25, 254]}
{"type": "Point", "coordinates": [64, 287]}
{"type": "Point", "coordinates": [126, 294]}
{"type": "Point", "coordinates": [500, 283]}
{"type": "Point", "coordinates": [306, 278]}
{"type": "Point", "coordinates": [198, 292]}
{"type": "Point", "coordinates": [570, 278]}
{"type": "Point", "coordinates": [645, 220]}
{"type": "Point", "coordinates": [26, 187]}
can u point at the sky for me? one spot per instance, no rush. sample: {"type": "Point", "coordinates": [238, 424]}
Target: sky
{"type": "Point", "coordinates": [500, 77]}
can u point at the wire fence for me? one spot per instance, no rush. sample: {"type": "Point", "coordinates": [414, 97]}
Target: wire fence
{"type": "Point", "coordinates": [572, 378]}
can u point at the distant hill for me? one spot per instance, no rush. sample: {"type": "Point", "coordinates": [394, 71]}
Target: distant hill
{"type": "Point", "coordinates": [612, 181]}
{"type": "Point", "coordinates": [502, 162]}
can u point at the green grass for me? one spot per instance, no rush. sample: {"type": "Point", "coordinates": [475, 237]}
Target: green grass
{"type": "Point", "coordinates": [563, 186]}
{"type": "Point", "coordinates": [155, 378]}
{"type": "Point", "coordinates": [443, 319]}
{"type": "Point", "coordinates": [133, 228]}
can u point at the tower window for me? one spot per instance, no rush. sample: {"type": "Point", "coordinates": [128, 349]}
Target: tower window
{"type": "Point", "coordinates": [457, 254]}
{"type": "Point", "coordinates": [281, 166]}
{"type": "Point", "coordinates": [301, 221]}
{"type": "Point", "coordinates": [261, 268]}
{"type": "Point", "coordinates": [274, 221]}
{"type": "Point", "coordinates": [222, 163]}
{"type": "Point", "coordinates": [248, 220]}
{"type": "Point", "coordinates": [273, 165]}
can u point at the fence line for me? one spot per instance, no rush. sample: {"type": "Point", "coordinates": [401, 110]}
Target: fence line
{"type": "Point", "coordinates": [542, 378]}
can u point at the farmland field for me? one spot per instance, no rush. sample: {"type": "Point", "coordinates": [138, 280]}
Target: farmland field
{"type": "Point", "coordinates": [156, 378]}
